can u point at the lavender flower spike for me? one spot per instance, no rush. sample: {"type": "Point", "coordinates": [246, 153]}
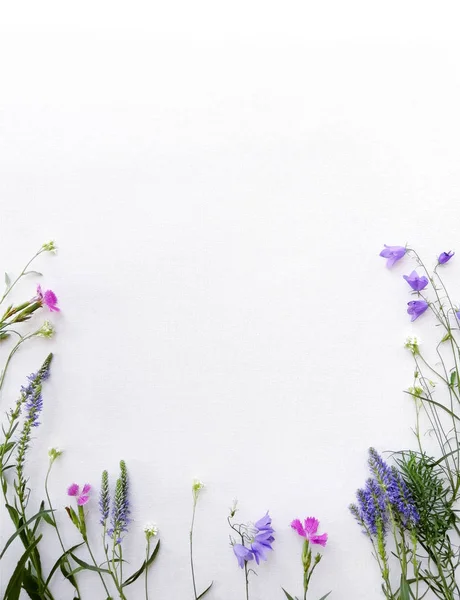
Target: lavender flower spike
{"type": "Point", "coordinates": [445, 257]}
{"type": "Point", "coordinates": [392, 254]}
{"type": "Point", "coordinates": [104, 498]}
{"type": "Point", "coordinates": [417, 283]}
{"type": "Point", "coordinates": [415, 308]}
{"type": "Point", "coordinates": [121, 510]}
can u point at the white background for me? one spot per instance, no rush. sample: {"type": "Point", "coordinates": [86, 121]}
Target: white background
{"type": "Point", "coordinates": [220, 178]}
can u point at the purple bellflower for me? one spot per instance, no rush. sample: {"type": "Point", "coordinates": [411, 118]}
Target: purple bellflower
{"type": "Point", "coordinates": [417, 283]}
{"type": "Point", "coordinates": [392, 254]}
{"type": "Point", "coordinates": [415, 308]}
{"type": "Point", "coordinates": [445, 257]}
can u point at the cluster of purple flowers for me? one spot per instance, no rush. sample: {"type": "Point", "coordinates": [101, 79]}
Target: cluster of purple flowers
{"type": "Point", "coordinates": [32, 394]}
{"type": "Point", "coordinates": [121, 508]}
{"type": "Point", "coordinates": [384, 493]}
{"type": "Point", "coordinates": [418, 283]}
{"type": "Point", "coordinates": [260, 542]}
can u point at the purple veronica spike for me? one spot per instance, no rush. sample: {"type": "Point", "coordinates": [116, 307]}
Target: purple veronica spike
{"type": "Point", "coordinates": [242, 554]}
{"type": "Point", "coordinates": [415, 308]}
{"type": "Point", "coordinates": [445, 257]}
{"type": "Point", "coordinates": [33, 398]}
{"type": "Point", "coordinates": [417, 283]}
{"type": "Point", "coordinates": [372, 508]}
{"type": "Point", "coordinates": [392, 254]}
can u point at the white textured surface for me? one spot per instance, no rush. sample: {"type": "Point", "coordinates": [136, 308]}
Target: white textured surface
{"type": "Point", "coordinates": [220, 179]}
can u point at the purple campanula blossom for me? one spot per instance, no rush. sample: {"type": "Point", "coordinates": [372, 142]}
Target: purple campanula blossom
{"type": "Point", "coordinates": [445, 257]}
{"type": "Point", "coordinates": [264, 524]}
{"type": "Point", "coordinates": [392, 254]}
{"type": "Point", "coordinates": [415, 308]}
{"type": "Point", "coordinates": [243, 554]}
{"type": "Point", "coordinates": [417, 283]}
{"type": "Point", "coordinates": [261, 544]}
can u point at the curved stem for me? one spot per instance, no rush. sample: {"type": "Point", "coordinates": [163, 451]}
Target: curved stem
{"type": "Point", "coordinates": [96, 565]}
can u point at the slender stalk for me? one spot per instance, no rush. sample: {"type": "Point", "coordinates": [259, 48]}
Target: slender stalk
{"type": "Point", "coordinates": [57, 528]}
{"type": "Point", "coordinates": [191, 549]}
{"type": "Point", "coordinates": [147, 554]}
{"type": "Point", "coordinates": [96, 565]}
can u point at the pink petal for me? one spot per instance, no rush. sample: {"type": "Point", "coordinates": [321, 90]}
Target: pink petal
{"type": "Point", "coordinates": [86, 488]}
{"type": "Point", "coordinates": [73, 490]}
{"type": "Point", "coordinates": [297, 525]}
{"type": "Point", "coordinates": [319, 539]}
{"type": "Point", "coordinates": [50, 299]}
{"type": "Point", "coordinates": [81, 500]}
{"type": "Point", "coordinates": [39, 292]}
{"type": "Point", "coordinates": [311, 526]}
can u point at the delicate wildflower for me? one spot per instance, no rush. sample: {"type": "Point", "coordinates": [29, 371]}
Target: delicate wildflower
{"type": "Point", "coordinates": [150, 530]}
{"type": "Point", "coordinates": [416, 308]}
{"type": "Point", "coordinates": [445, 257]}
{"type": "Point", "coordinates": [372, 507]}
{"type": "Point", "coordinates": [392, 254]}
{"type": "Point", "coordinates": [402, 501]}
{"type": "Point", "coordinates": [309, 530]}
{"type": "Point", "coordinates": [46, 330]}
{"type": "Point", "coordinates": [49, 246]}
{"type": "Point", "coordinates": [47, 298]}
{"type": "Point", "coordinates": [243, 554]}
{"type": "Point", "coordinates": [412, 344]}
{"type": "Point", "coordinates": [261, 544]}
{"type": "Point", "coordinates": [417, 283]}
{"type": "Point", "coordinates": [82, 496]}
{"type": "Point", "coordinates": [54, 453]}
{"type": "Point", "coordinates": [121, 509]}
{"type": "Point", "coordinates": [104, 498]}
{"type": "Point", "coordinates": [264, 524]}
{"type": "Point", "coordinates": [33, 399]}
{"type": "Point", "coordinates": [197, 486]}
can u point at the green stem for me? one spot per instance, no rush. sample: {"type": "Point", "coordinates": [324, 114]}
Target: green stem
{"type": "Point", "coordinates": [8, 290]}
{"type": "Point", "coordinates": [96, 565]}
{"type": "Point", "coordinates": [57, 528]}
{"type": "Point", "coordinates": [191, 549]}
{"type": "Point", "coordinates": [147, 553]}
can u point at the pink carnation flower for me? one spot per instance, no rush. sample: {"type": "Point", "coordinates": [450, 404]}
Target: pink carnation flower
{"type": "Point", "coordinates": [309, 529]}
{"type": "Point", "coordinates": [83, 496]}
{"type": "Point", "coordinates": [48, 298]}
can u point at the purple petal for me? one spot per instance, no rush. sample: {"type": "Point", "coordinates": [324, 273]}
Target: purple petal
{"type": "Point", "coordinates": [297, 525]}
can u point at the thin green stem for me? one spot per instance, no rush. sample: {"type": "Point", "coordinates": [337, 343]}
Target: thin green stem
{"type": "Point", "coordinates": [147, 554]}
{"type": "Point", "coordinates": [23, 272]}
{"type": "Point", "coordinates": [56, 526]}
{"type": "Point", "coordinates": [96, 565]}
{"type": "Point", "coordinates": [191, 549]}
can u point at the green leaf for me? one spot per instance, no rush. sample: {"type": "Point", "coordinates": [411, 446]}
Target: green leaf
{"type": "Point", "coordinates": [15, 518]}
{"type": "Point", "coordinates": [13, 589]}
{"type": "Point", "coordinates": [34, 273]}
{"type": "Point", "coordinates": [86, 565]}
{"type": "Point", "coordinates": [324, 597]}
{"type": "Point", "coordinates": [30, 584]}
{"type": "Point", "coordinates": [446, 337]}
{"type": "Point", "coordinates": [404, 589]}
{"type": "Point", "coordinates": [7, 280]}
{"type": "Point", "coordinates": [145, 565]}
{"type": "Point", "coordinates": [57, 564]}
{"type": "Point", "coordinates": [205, 591]}
{"type": "Point", "coordinates": [288, 596]}
{"type": "Point", "coordinates": [453, 378]}
{"type": "Point", "coordinates": [439, 405]}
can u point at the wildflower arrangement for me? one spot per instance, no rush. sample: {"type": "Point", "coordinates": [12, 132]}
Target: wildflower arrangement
{"type": "Point", "coordinates": [107, 563]}
{"type": "Point", "coordinates": [409, 510]}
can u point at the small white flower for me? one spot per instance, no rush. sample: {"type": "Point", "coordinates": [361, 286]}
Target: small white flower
{"type": "Point", "coordinates": [54, 453]}
{"type": "Point", "coordinates": [413, 343]}
{"type": "Point", "coordinates": [50, 246]}
{"type": "Point", "coordinates": [150, 530]}
{"type": "Point", "coordinates": [46, 330]}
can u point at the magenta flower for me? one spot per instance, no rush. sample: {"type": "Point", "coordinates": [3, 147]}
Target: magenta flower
{"type": "Point", "coordinates": [83, 496]}
{"type": "Point", "coordinates": [415, 308]}
{"type": "Point", "coordinates": [417, 283]}
{"type": "Point", "coordinates": [48, 298]}
{"type": "Point", "coordinates": [392, 254]}
{"type": "Point", "coordinates": [242, 554]}
{"type": "Point", "coordinates": [445, 257]}
{"type": "Point", "coordinates": [309, 530]}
